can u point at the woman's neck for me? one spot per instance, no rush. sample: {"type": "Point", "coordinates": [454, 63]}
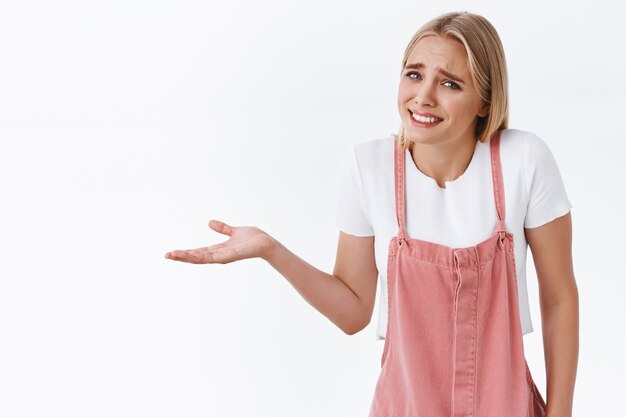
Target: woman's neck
{"type": "Point", "coordinates": [444, 161]}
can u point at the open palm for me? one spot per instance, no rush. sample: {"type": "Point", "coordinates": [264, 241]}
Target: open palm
{"type": "Point", "coordinates": [245, 242]}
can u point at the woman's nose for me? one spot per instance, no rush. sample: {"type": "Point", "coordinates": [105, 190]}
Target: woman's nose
{"type": "Point", "coordinates": [425, 95]}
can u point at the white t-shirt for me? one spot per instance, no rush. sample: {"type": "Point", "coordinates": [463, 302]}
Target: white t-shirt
{"type": "Point", "coordinates": [460, 215]}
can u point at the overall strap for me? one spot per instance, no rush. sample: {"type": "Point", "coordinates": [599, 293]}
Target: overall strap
{"type": "Point", "coordinates": [498, 184]}
{"type": "Point", "coordinates": [399, 180]}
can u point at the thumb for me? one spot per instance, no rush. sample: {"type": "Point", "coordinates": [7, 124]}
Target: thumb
{"type": "Point", "coordinates": [221, 227]}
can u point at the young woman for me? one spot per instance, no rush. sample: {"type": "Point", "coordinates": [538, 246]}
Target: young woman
{"type": "Point", "coordinates": [470, 195]}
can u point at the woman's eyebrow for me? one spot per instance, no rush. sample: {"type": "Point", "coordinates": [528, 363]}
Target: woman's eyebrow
{"type": "Point", "coordinates": [419, 65]}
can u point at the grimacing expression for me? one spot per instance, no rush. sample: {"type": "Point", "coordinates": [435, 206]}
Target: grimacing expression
{"type": "Point", "coordinates": [437, 99]}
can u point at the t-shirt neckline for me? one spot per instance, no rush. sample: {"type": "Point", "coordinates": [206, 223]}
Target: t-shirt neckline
{"type": "Point", "coordinates": [410, 164]}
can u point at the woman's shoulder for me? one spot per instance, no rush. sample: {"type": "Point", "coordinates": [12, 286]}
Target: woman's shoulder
{"type": "Point", "coordinates": [374, 152]}
{"type": "Point", "coordinates": [373, 146]}
{"type": "Point", "coordinates": [524, 143]}
{"type": "Point", "coordinates": [369, 157]}
{"type": "Point", "coordinates": [515, 138]}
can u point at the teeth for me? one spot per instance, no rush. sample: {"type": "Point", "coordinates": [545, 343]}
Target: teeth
{"type": "Point", "coordinates": [424, 119]}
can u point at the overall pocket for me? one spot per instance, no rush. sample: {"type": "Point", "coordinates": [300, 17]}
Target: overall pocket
{"type": "Point", "coordinates": [537, 406]}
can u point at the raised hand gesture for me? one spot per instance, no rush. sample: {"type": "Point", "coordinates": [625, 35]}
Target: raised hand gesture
{"type": "Point", "coordinates": [244, 242]}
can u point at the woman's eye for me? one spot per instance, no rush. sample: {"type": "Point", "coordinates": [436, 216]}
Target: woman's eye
{"type": "Point", "coordinates": [410, 75]}
{"type": "Point", "coordinates": [452, 85]}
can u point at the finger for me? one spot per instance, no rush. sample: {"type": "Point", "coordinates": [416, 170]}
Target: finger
{"type": "Point", "coordinates": [177, 255]}
{"type": "Point", "coordinates": [212, 254]}
{"type": "Point", "coordinates": [221, 227]}
{"type": "Point", "coordinates": [189, 256]}
{"type": "Point", "coordinates": [208, 248]}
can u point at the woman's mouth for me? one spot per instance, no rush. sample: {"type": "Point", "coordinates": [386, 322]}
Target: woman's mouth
{"type": "Point", "coordinates": [424, 121]}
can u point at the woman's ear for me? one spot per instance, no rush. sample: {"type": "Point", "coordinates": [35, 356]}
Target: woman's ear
{"type": "Point", "coordinates": [484, 110]}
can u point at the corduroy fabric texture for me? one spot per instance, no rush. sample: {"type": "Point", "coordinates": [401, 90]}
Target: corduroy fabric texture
{"type": "Point", "coordinates": [454, 344]}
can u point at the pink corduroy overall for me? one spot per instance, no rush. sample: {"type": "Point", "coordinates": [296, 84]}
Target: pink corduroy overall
{"type": "Point", "coordinates": [453, 345]}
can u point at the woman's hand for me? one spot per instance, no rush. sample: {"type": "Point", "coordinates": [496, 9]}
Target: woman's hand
{"type": "Point", "coordinates": [245, 242]}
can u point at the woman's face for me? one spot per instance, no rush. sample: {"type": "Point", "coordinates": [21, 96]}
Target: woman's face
{"type": "Point", "coordinates": [436, 87]}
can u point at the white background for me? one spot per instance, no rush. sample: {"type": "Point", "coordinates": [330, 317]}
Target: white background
{"type": "Point", "coordinates": [125, 126]}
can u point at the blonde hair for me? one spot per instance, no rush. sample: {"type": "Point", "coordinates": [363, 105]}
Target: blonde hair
{"type": "Point", "coordinates": [486, 62]}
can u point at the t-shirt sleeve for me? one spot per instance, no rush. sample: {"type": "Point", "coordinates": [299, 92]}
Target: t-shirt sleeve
{"type": "Point", "coordinates": [351, 216]}
{"type": "Point", "coordinates": [547, 198]}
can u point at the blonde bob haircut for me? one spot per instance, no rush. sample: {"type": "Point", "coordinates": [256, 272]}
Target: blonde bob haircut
{"type": "Point", "coordinates": [486, 62]}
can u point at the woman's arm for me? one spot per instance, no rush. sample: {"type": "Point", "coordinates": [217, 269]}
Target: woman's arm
{"type": "Point", "coordinates": [346, 297]}
{"type": "Point", "coordinates": [551, 247]}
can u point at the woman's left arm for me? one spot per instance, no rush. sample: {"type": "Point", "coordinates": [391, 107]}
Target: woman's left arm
{"type": "Point", "coordinates": [551, 247]}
